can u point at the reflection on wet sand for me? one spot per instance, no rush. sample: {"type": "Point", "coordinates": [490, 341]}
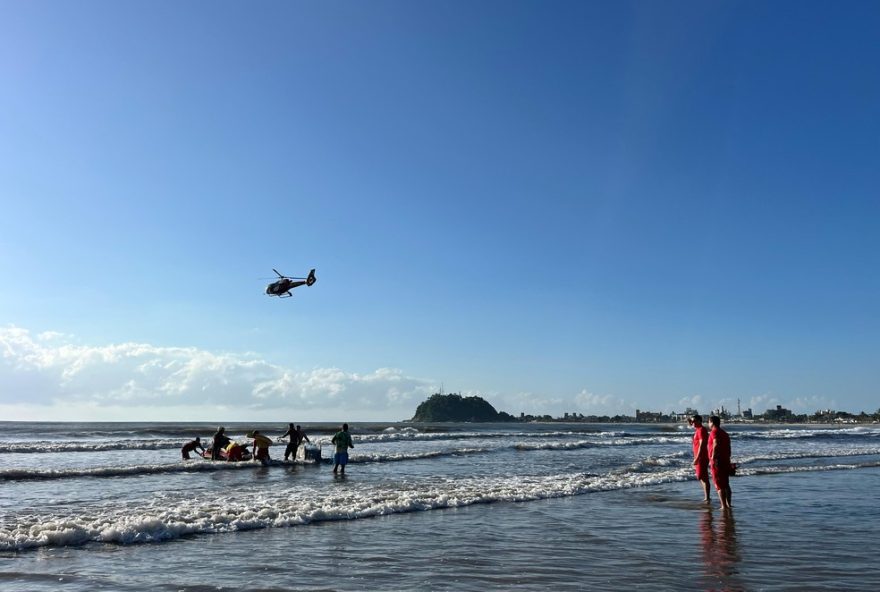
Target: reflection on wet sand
{"type": "Point", "coordinates": [720, 551]}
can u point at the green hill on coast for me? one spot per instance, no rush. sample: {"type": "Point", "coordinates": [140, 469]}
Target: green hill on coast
{"type": "Point", "coordinates": [457, 408]}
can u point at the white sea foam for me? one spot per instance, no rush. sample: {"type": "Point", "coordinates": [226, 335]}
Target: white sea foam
{"type": "Point", "coordinates": [390, 434]}
{"type": "Point", "coordinates": [46, 446]}
{"type": "Point", "coordinates": [165, 519]}
{"type": "Point", "coordinates": [196, 465]}
{"type": "Point", "coordinates": [170, 515]}
{"type": "Point", "coordinates": [824, 453]}
{"type": "Point", "coordinates": [411, 434]}
{"type": "Point", "coordinates": [808, 433]}
{"type": "Point", "coordinates": [806, 469]}
{"type": "Point", "coordinates": [402, 456]}
{"type": "Point", "coordinates": [578, 444]}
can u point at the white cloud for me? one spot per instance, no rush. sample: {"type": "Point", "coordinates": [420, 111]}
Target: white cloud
{"type": "Point", "coordinates": [812, 404]}
{"type": "Point", "coordinates": [803, 404]}
{"type": "Point", "coordinates": [694, 402]}
{"type": "Point", "coordinates": [540, 404]}
{"type": "Point", "coordinates": [50, 370]}
{"type": "Point", "coordinates": [593, 404]}
{"type": "Point", "coordinates": [524, 402]}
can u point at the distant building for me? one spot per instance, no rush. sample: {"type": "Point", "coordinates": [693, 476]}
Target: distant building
{"type": "Point", "coordinates": [648, 417]}
{"type": "Point", "coordinates": [778, 414]}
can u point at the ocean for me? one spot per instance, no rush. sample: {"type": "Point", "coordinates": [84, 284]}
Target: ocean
{"type": "Point", "coordinates": [111, 506]}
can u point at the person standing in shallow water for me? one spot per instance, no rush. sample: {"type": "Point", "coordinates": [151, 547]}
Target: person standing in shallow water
{"type": "Point", "coordinates": [719, 461]}
{"type": "Point", "coordinates": [342, 441]}
{"type": "Point", "coordinates": [301, 438]}
{"type": "Point", "coordinates": [701, 454]}
{"type": "Point", "coordinates": [218, 443]}
{"type": "Point", "coordinates": [294, 443]}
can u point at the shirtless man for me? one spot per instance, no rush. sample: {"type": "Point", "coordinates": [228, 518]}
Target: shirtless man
{"type": "Point", "coordinates": [218, 443]}
{"type": "Point", "coordinates": [191, 447]}
{"type": "Point", "coordinates": [296, 437]}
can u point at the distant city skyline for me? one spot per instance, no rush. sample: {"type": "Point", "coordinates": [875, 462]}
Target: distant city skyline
{"type": "Point", "coordinates": [577, 207]}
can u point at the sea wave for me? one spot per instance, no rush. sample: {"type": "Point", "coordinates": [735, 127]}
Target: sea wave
{"type": "Point", "coordinates": [173, 515]}
{"type": "Point", "coordinates": [196, 466]}
{"type": "Point", "coordinates": [827, 453]}
{"type": "Point", "coordinates": [406, 435]}
{"type": "Point", "coordinates": [403, 456]}
{"type": "Point", "coordinates": [579, 444]}
{"type": "Point", "coordinates": [415, 436]}
{"type": "Point", "coordinates": [807, 469]}
{"type": "Point", "coordinates": [167, 519]}
{"type": "Point", "coordinates": [46, 446]}
{"type": "Point", "coordinates": [808, 433]}
{"type": "Point", "coordinates": [567, 439]}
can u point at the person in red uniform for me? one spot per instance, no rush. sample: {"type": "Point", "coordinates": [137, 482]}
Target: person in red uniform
{"type": "Point", "coordinates": [719, 461]}
{"type": "Point", "coordinates": [701, 454]}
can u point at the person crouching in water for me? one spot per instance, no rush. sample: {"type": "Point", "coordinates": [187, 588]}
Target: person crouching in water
{"type": "Point", "coordinates": [343, 442]}
{"type": "Point", "coordinates": [191, 447]}
{"type": "Point", "coordinates": [234, 452]}
{"type": "Point", "coordinates": [261, 447]}
{"type": "Point", "coordinates": [719, 461]}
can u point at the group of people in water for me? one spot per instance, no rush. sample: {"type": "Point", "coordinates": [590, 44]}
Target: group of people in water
{"type": "Point", "coordinates": [224, 448]}
{"type": "Point", "coordinates": [712, 456]}
{"type": "Point", "coordinates": [711, 452]}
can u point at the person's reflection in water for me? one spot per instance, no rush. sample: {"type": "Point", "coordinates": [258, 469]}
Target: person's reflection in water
{"type": "Point", "coordinates": [720, 551]}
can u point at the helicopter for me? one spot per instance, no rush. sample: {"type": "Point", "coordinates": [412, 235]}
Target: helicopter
{"type": "Point", "coordinates": [285, 284]}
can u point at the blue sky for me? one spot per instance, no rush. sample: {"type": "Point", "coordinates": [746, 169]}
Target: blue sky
{"type": "Point", "coordinates": [572, 206]}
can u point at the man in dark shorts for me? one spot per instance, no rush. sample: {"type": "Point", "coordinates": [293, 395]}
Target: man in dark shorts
{"type": "Point", "coordinates": [293, 445]}
{"type": "Point", "coordinates": [701, 454]}
{"type": "Point", "coordinates": [297, 437]}
{"type": "Point", "coordinates": [191, 447]}
{"type": "Point", "coordinates": [719, 461]}
{"type": "Point", "coordinates": [218, 443]}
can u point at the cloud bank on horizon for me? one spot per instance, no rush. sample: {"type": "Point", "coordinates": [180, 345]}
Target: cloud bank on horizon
{"type": "Point", "coordinates": [51, 376]}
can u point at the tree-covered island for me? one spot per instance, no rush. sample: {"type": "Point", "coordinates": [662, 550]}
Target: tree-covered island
{"type": "Point", "coordinates": [457, 408]}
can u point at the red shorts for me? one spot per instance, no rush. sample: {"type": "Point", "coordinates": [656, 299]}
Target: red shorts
{"type": "Point", "coordinates": [702, 470]}
{"type": "Point", "coordinates": [721, 476]}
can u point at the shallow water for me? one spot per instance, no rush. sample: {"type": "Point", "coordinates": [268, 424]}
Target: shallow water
{"type": "Point", "coordinates": [528, 507]}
